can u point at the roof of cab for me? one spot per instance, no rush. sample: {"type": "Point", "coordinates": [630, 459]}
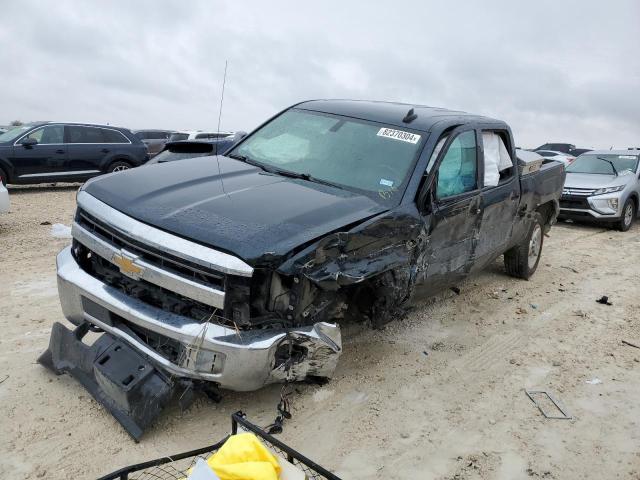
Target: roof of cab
{"type": "Point", "coordinates": [392, 113]}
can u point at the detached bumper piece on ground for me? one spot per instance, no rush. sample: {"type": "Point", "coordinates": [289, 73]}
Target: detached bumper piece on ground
{"type": "Point", "coordinates": [118, 377]}
{"type": "Point", "coordinates": [178, 466]}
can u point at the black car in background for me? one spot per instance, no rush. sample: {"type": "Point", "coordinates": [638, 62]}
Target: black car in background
{"type": "Point", "coordinates": [153, 139]}
{"type": "Point", "coordinates": [568, 148]}
{"type": "Point", "coordinates": [556, 147]}
{"type": "Point", "coordinates": [67, 152]}
{"type": "Point", "coordinates": [196, 148]}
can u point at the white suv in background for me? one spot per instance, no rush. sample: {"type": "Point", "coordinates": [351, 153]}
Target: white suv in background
{"type": "Point", "coordinates": [4, 196]}
{"type": "Point", "coordinates": [565, 158]}
{"type": "Point", "coordinates": [197, 135]}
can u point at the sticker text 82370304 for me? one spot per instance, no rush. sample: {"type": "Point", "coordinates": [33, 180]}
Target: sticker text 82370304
{"type": "Point", "coordinates": [399, 135]}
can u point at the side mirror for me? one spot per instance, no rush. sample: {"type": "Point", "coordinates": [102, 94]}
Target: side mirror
{"type": "Point", "coordinates": [28, 142]}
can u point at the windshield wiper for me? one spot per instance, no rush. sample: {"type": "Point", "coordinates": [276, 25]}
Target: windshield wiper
{"type": "Point", "coordinates": [245, 159]}
{"type": "Point", "coordinates": [284, 173]}
{"type": "Point", "coordinates": [304, 176]}
{"type": "Point", "coordinates": [610, 163]}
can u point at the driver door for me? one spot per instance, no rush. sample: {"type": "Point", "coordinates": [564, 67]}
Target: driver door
{"type": "Point", "coordinates": [455, 212]}
{"type": "Point", "coordinates": [44, 158]}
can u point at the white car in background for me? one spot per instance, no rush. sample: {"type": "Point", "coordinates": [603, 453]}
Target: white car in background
{"type": "Point", "coordinates": [559, 156]}
{"type": "Point", "coordinates": [4, 196]}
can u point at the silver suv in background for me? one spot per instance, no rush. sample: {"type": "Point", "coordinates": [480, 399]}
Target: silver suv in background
{"type": "Point", "coordinates": [603, 186]}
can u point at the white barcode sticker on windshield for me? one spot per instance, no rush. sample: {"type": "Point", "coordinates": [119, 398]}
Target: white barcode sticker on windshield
{"type": "Point", "coordinates": [399, 135]}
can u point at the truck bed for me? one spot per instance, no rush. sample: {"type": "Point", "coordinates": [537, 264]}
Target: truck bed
{"type": "Point", "coordinates": [543, 186]}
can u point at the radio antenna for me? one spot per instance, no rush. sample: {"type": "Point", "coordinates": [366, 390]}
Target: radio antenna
{"type": "Point", "coordinates": [224, 81]}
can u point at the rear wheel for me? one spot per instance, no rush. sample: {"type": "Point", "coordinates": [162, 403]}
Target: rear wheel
{"type": "Point", "coordinates": [522, 260]}
{"type": "Point", "coordinates": [118, 166]}
{"type": "Point", "coordinates": [628, 215]}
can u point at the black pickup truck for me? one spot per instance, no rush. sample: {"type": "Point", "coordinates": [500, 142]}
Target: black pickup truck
{"type": "Point", "coordinates": [236, 271]}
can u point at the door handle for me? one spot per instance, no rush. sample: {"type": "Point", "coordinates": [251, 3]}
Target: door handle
{"type": "Point", "coordinates": [60, 151]}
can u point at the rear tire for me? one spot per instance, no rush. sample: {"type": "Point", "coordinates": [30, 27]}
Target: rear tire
{"type": "Point", "coordinates": [118, 166]}
{"type": "Point", "coordinates": [628, 215]}
{"type": "Point", "coordinates": [522, 260]}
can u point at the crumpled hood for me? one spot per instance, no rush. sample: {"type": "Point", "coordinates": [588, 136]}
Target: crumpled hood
{"type": "Point", "coordinates": [239, 208]}
{"type": "Point", "coordinates": [591, 180]}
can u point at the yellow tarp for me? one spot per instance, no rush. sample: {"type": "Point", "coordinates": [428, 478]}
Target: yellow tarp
{"type": "Point", "coordinates": [244, 457]}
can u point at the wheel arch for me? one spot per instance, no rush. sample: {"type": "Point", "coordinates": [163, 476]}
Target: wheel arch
{"type": "Point", "coordinates": [7, 168]}
{"type": "Point", "coordinates": [549, 213]}
{"type": "Point", "coordinates": [117, 158]}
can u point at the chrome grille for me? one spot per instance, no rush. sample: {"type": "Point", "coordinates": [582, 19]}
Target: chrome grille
{"type": "Point", "coordinates": [188, 269]}
{"type": "Point", "coordinates": [583, 192]}
{"type": "Point", "coordinates": [149, 255]}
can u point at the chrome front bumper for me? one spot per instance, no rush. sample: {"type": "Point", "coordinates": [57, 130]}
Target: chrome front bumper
{"type": "Point", "coordinates": [241, 361]}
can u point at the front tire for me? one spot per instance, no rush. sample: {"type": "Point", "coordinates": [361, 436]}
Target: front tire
{"type": "Point", "coordinates": [522, 260]}
{"type": "Point", "coordinates": [628, 215]}
{"type": "Point", "coordinates": [118, 166]}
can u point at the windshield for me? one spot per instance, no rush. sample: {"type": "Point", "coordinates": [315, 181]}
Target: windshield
{"type": "Point", "coordinates": [14, 133]}
{"type": "Point", "coordinates": [354, 154]}
{"type": "Point", "coordinates": [592, 163]}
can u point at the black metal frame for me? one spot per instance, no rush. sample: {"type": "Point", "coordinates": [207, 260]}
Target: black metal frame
{"type": "Point", "coordinates": [238, 420]}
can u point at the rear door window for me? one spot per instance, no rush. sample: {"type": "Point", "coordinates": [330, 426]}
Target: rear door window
{"type": "Point", "coordinates": [497, 160]}
{"type": "Point", "coordinates": [79, 134]}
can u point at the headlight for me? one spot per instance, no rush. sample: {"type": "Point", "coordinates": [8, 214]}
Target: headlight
{"type": "Point", "coordinates": [602, 191]}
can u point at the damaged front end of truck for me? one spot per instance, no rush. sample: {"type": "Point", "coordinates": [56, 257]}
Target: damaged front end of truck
{"type": "Point", "coordinates": [175, 317]}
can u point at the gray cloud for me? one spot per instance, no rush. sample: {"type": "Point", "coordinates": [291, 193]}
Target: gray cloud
{"type": "Point", "coordinates": [561, 71]}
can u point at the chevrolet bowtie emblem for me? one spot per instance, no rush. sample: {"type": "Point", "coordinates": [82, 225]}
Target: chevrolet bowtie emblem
{"type": "Point", "coordinates": [127, 265]}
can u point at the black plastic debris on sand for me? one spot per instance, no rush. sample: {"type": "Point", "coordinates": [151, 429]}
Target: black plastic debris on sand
{"type": "Point", "coordinates": [604, 300]}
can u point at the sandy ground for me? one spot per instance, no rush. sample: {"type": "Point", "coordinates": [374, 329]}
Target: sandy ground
{"type": "Point", "coordinates": [439, 395]}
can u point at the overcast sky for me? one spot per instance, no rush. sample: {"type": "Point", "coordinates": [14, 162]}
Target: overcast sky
{"type": "Point", "coordinates": [556, 71]}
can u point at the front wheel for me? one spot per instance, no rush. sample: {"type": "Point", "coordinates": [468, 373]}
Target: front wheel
{"type": "Point", "coordinates": [118, 167]}
{"type": "Point", "coordinates": [628, 215]}
{"type": "Point", "coordinates": [522, 260]}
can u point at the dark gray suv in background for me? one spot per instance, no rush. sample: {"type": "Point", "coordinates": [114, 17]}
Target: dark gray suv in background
{"type": "Point", "coordinates": [45, 152]}
{"type": "Point", "coordinates": [155, 140]}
